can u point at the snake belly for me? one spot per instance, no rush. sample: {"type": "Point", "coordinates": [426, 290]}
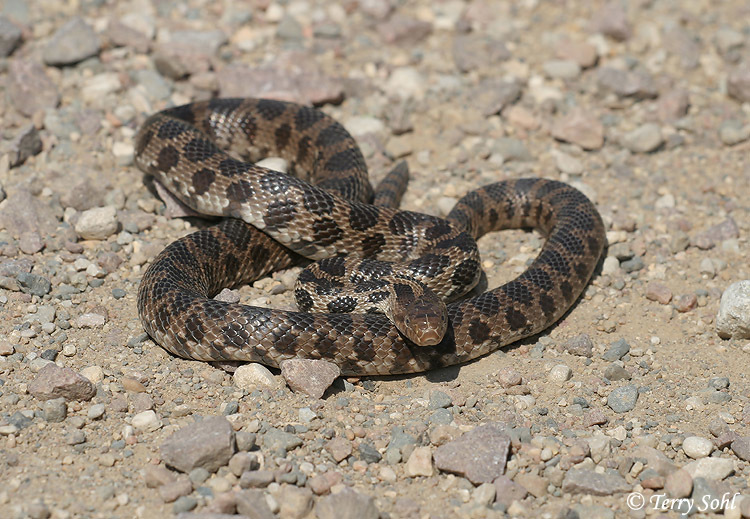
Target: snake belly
{"type": "Point", "coordinates": [184, 148]}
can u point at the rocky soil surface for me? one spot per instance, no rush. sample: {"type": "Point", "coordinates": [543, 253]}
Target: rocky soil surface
{"type": "Point", "coordinates": [639, 396]}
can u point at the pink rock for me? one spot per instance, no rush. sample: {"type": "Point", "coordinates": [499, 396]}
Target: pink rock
{"type": "Point", "coordinates": [308, 376]}
{"type": "Point", "coordinates": [581, 128]}
{"type": "Point", "coordinates": [52, 381]}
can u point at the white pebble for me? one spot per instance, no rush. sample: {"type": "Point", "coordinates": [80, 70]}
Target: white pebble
{"type": "Point", "coordinates": [733, 319]}
{"type": "Point", "coordinates": [146, 421]}
{"type": "Point", "coordinates": [94, 373]}
{"type": "Point", "coordinates": [307, 415]}
{"type": "Point", "coordinates": [98, 223]}
{"type": "Point", "coordinates": [95, 412]}
{"type": "Point", "coordinates": [611, 265]}
{"type": "Point", "coordinates": [560, 373]}
{"type": "Point", "coordinates": [253, 376]}
{"type": "Point", "coordinates": [697, 447]}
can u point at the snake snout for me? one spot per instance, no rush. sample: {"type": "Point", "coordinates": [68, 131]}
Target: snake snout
{"type": "Point", "coordinates": [425, 325]}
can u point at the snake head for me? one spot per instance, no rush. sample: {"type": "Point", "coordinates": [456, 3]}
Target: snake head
{"type": "Point", "coordinates": [423, 321]}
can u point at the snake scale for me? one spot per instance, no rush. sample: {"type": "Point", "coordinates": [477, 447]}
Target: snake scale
{"type": "Point", "coordinates": [273, 220]}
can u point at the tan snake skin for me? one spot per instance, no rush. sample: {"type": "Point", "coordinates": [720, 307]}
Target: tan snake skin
{"type": "Point", "coordinates": [331, 219]}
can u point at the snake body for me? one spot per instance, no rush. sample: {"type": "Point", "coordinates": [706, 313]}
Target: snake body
{"type": "Point", "coordinates": [273, 219]}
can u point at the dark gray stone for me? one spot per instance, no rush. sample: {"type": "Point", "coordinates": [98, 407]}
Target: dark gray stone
{"type": "Point", "coordinates": [33, 284]}
{"type": "Point", "coordinates": [617, 350]}
{"type": "Point", "coordinates": [623, 399]}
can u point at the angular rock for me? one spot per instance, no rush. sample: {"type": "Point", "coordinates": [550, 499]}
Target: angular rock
{"type": "Point", "coordinates": [52, 381]}
{"type": "Point", "coordinates": [658, 292]}
{"type": "Point", "coordinates": [33, 284]}
{"type": "Point", "coordinates": [580, 345]}
{"type": "Point", "coordinates": [188, 53]}
{"type": "Point", "coordinates": [276, 439]}
{"type": "Point", "coordinates": [295, 502]}
{"type": "Point", "coordinates": [174, 490]}
{"type": "Point", "coordinates": [242, 462]}
{"type": "Point", "coordinates": [680, 42]}
{"type": "Point", "coordinates": [347, 504]}
{"type": "Point", "coordinates": [507, 491]}
{"type": "Point", "coordinates": [475, 51]}
{"type": "Point", "coordinates": [733, 132]}
{"type": "Point", "coordinates": [98, 223]}
{"type": "Point", "coordinates": [291, 77]}
{"type": "Point", "coordinates": [508, 377]}
{"type": "Point", "coordinates": [308, 376]}
{"type": "Point", "coordinates": [208, 444]}
{"type": "Point", "coordinates": [614, 372]}
{"type": "Point", "coordinates": [252, 503]}
{"type": "Point", "coordinates": [673, 105]}
{"type": "Point", "coordinates": [617, 350]}
{"type": "Point", "coordinates": [623, 399]}
{"type": "Point", "coordinates": [492, 95]}
{"type": "Point", "coordinates": [253, 376]}
{"type": "Point", "coordinates": [419, 463]}
{"type": "Point", "coordinates": [146, 421]}
{"type": "Point", "coordinates": [584, 481]}
{"type": "Point", "coordinates": [612, 20]}
{"type": "Point", "coordinates": [741, 448]}
{"type": "Point", "coordinates": [22, 212]}
{"type": "Point", "coordinates": [578, 127]}
{"type": "Point", "coordinates": [403, 30]}
{"type": "Point", "coordinates": [479, 455]}
{"type": "Point", "coordinates": [157, 475]}
{"type": "Point", "coordinates": [73, 42]}
{"type": "Point", "coordinates": [733, 319]}
{"type": "Point", "coordinates": [322, 483]}
{"type": "Point", "coordinates": [10, 37]}
{"type": "Point", "coordinates": [55, 410]}
{"type": "Point", "coordinates": [339, 448]}
{"type": "Point", "coordinates": [29, 88]}
{"type": "Point", "coordinates": [738, 83]}
{"type": "Point", "coordinates": [678, 484]}
{"type": "Point", "coordinates": [123, 35]}
{"type": "Point", "coordinates": [708, 239]}
{"type": "Point", "coordinates": [256, 479]}
{"type": "Point", "coordinates": [627, 83]}
{"type": "Point", "coordinates": [535, 485]}
{"type": "Point", "coordinates": [644, 139]}
{"type": "Point", "coordinates": [710, 468]}
{"type": "Point", "coordinates": [581, 52]}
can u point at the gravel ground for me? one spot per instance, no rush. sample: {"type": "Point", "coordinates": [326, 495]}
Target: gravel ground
{"type": "Point", "coordinates": [643, 105]}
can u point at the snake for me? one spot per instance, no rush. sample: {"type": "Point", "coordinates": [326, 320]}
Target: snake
{"type": "Point", "coordinates": [205, 153]}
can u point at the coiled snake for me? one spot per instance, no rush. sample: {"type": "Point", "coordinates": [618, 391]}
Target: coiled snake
{"type": "Point", "coordinates": [274, 219]}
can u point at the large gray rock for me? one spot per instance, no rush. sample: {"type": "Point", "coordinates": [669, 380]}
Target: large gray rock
{"type": "Point", "coordinates": [208, 444]}
{"type": "Point", "coordinates": [479, 455]}
{"type": "Point", "coordinates": [29, 88]}
{"type": "Point", "coordinates": [73, 42]}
